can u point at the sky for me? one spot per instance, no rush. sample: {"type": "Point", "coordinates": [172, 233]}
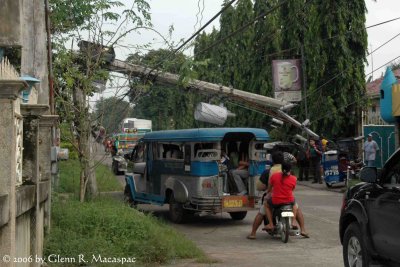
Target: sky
{"type": "Point", "coordinates": [183, 15]}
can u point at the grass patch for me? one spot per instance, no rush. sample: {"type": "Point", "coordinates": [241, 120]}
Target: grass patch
{"type": "Point", "coordinates": [108, 228]}
{"type": "Point", "coordinates": [70, 173]}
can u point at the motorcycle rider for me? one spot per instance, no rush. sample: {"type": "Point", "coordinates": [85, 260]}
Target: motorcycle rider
{"type": "Point", "coordinates": [281, 186]}
{"type": "Point", "coordinates": [277, 160]}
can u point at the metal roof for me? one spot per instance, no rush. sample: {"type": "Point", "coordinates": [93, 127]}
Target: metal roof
{"type": "Point", "coordinates": [203, 134]}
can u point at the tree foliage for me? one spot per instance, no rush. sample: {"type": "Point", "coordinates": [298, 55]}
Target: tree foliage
{"type": "Point", "coordinates": [104, 23]}
{"type": "Point", "coordinates": [109, 112]}
{"type": "Point", "coordinates": [169, 107]}
{"type": "Point", "coordinates": [335, 43]}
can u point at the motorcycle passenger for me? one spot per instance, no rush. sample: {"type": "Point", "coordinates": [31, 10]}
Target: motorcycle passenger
{"type": "Point", "coordinates": [281, 186]}
{"type": "Point", "coordinates": [277, 160]}
{"type": "Point", "coordinates": [262, 185]}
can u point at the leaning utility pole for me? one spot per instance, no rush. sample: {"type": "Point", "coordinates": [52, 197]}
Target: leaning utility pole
{"type": "Point", "coordinates": [271, 106]}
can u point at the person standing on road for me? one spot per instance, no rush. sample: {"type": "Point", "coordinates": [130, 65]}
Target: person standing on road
{"type": "Point", "coordinates": [370, 148]}
{"type": "Point", "coordinates": [315, 161]}
{"type": "Point", "coordinates": [303, 163]}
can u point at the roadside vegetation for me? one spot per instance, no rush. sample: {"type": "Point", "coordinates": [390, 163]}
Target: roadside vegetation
{"type": "Point", "coordinates": [106, 227]}
{"type": "Point", "coordinates": [69, 178]}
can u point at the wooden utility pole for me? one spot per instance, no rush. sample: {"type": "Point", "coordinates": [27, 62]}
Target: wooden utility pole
{"type": "Point", "coordinates": [303, 67]}
{"type": "Point", "coordinates": [273, 107]}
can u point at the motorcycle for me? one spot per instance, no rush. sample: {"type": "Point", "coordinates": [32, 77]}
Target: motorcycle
{"type": "Point", "coordinates": [282, 217]}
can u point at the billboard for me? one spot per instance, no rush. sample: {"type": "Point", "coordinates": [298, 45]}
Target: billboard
{"type": "Point", "coordinates": [287, 79]}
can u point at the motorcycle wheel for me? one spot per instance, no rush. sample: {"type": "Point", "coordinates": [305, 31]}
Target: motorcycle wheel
{"type": "Point", "coordinates": [285, 230]}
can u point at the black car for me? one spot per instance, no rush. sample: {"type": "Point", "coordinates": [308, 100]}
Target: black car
{"type": "Point", "coordinates": [370, 217]}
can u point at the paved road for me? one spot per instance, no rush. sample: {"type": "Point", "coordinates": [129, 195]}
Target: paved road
{"type": "Point", "coordinates": [225, 240]}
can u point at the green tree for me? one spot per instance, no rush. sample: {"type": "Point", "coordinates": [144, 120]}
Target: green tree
{"type": "Point", "coordinates": [109, 112]}
{"type": "Point", "coordinates": [74, 73]}
{"type": "Point", "coordinates": [335, 48]}
{"type": "Point", "coordinates": [167, 106]}
{"type": "Point", "coordinates": [335, 43]}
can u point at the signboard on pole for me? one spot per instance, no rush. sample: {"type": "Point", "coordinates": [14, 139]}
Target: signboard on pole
{"type": "Point", "coordinates": [287, 79]}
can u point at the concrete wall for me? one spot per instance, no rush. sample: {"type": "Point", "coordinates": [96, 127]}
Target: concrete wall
{"type": "Point", "coordinates": [24, 205]}
{"type": "Point", "coordinates": [10, 23]}
{"type": "Point", "coordinates": [23, 236]}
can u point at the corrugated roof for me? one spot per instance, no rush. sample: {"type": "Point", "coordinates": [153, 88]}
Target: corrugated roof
{"type": "Point", "coordinates": [203, 134]}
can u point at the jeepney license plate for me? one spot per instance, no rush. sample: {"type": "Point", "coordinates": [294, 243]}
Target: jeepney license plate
{"type": "Point", "coordinates": [233, 203]}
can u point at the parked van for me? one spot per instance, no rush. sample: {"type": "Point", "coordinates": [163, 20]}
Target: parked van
{"type": "Point", "coordinates": [184, 169]}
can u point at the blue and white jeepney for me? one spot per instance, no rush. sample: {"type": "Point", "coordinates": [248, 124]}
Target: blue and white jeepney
{"type": "Point", "coordinates": [182, 168]}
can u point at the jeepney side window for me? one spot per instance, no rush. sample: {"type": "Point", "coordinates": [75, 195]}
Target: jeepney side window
{"type": "Point", "coordinates": [140, 152]}
{"type": "Point", "coordinates": [172, 151]}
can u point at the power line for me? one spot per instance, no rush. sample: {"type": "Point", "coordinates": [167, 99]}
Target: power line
{"type": "Point", "coordinates": [199, 30]}
{"type": "Point", "coordinates": [191, 37]}
{"type": "Point", "coordinates": [384, 22]}
{"type": "Point", "coordinates": [355, 101]}
{"type": "Point", "coordinates": [244, 26]}
{"type": "Point", "coordinates": [326, 39]}
{"type": "Point", "coordinates": [338, 74]}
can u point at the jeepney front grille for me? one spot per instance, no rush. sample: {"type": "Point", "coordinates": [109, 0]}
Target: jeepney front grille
{"type": "Point", "coordinates": [206, 203]}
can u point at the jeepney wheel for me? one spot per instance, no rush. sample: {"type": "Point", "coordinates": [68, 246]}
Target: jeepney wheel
{"type": "Point", "coordinates": [237, 216]}
{"type": "Point", "coordinates": [328, 185]}
{"type": "Point", "coordinates": [128, 197]}
{"type": "Point", "coordinates": [177, 213]}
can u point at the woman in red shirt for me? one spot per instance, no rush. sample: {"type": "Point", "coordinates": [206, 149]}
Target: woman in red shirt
{"type": "Point", "coordinates": [281, 184]}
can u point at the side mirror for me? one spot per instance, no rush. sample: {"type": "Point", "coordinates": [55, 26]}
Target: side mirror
{"type": "Point", "coordinates": [369, 174]}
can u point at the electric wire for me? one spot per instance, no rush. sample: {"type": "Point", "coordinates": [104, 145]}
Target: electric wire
{"type": "Point", "coordinates": [363, 98]}
{"type": "Point", "coordinates": [245, 26]}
